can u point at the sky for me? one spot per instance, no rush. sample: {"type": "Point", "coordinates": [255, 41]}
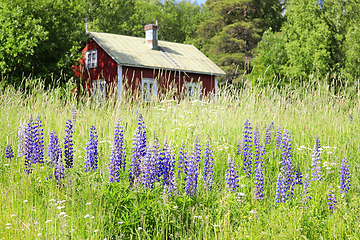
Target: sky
{"type": "Point", "coordinates": [200, 1]}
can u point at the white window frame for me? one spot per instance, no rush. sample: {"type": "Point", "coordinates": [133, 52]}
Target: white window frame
{"type": "Point", "coordinates": [193, 90]}
{"type": "Point", "coordinates": [91, 59]}
{"type": "Point", "coordinates": [148, 92]}
{"type": "Point", "coordinates": [99, 90]}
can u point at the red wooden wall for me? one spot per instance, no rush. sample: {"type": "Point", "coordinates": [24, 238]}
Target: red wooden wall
{"type": "Point", "coordinates": [166, 79]}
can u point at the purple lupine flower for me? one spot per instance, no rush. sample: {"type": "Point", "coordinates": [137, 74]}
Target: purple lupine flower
{"type": "Point", "coordinates": [332, 200]}
{"type": "Point", "coordinates": [350, 117]}
{"type": "Point", "coordinates": [197, 149]}
{"type": "Point", "coordinates": [298, 176]}
{"type": "Point", "coordinates": [148, 169]}
{"type": "Point", "coordinates": [316, 162]}
{"type": "Point", "coordinates": [247, 148]}
{"type": "Point", "coordinates": [192, 173]}
{"type": "Point", "coordinates": [287, 165]}
{"type": "Point", "coordinates": [139, 150]}
{"type": "Point", "coordinates": [73, 116]}
{"type": "Point", "coordinates": [168, 167]}
{"type": "Point", "coordinates": [21, 141]}
{"type": "Point", "coordinates": [344, 177]}
{"type": "Point", "coordinates": [59, 170]}
{"type": "Point", "coordinates": [208, 166]}
{"type": "Point", "coordinates": [181, 162]}
{"type": "Point", "coordinates": [118, 153]}
{"type": "Point", "coordinates": [268, 133]}
{"type": "Point", "coordinates": [280, 189]}
{"type": "Point", "coordinates": [231, 176]}
{"type": "Point", "coordinates": [91, 154]}
{"type": "Point", "coordinates": [307, 184]}
{"type": "Point", "coordinates": [238, 147]}
{"type": "Point", "coordinates": [9, 151]}
{"type": "Point", "coordinates": [259, 182]}
{"type": "Point", "coordinates": [68, 144]}
{"type": "Point", "coordinates": [55, 155]}
{"type": "Point", "coordinates": [38, 139]}
{"type": "Point", "coordinates": [29, 146]}
{"type": "Point", "coordinates": [256, 146]}
{"type": "Point", "coordinates": [158, 155]}
{"type": "Point", "coordinates": [278, 138]}
{"type": "Point", "coordinates": [53, 148]}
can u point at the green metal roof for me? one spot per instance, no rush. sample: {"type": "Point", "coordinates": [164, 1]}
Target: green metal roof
{"type": "Point", "coordinates": [133, 51]}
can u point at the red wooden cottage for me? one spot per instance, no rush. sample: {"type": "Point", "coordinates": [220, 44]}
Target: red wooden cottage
{"type": "Point", "coordinates": [145, 68]}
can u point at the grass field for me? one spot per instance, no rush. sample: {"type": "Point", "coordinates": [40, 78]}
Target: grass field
{"type": "Point", "coordinates": [90, 207]}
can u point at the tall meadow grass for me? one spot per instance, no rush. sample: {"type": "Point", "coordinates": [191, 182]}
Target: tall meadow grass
{"type": "Point", "coordinates": [90, 207]}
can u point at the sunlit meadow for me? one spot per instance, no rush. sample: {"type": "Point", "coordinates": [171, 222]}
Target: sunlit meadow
{"type": "Point", "coordinates": [86, 205]}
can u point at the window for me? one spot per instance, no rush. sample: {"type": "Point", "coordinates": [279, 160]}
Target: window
{"type": "Point", "coordinates": [91, 59]}
{"type": "Point", "coordinates": [99, 90]}
{"type": "Point", "coordinates": [148, 89]}
{"type": "Point", "coordinates": [193, 90]}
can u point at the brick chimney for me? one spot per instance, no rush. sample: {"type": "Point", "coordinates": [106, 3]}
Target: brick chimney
{"type": "Point", "coordinates": [151, 35]}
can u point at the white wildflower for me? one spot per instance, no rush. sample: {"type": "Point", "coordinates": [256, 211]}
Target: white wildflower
{"type": "Point", "coordinates": [62, 213]}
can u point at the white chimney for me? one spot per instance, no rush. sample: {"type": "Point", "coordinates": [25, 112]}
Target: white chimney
{"type": "Point", "coordinates": [151, 35]}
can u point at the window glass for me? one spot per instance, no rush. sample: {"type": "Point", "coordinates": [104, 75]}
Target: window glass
{"type": "Point", "coordinates": [91, 59]}
{"type": "Point", "coordinates": [193, 90]}
{"type": "Point", "coordinates": [99, 90]}
{"type": "Point", "coordinates": [148, 89]}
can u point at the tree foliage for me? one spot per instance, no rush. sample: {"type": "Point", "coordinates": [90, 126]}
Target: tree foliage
{"type": "Point", "coordinates": [233, 31]}
{"type": "Point", "coordinates": [177, 20]}
{"type": "Point", "coordinates": [320, 38]}
{"type": "Point", "coordinates": [39, 37]}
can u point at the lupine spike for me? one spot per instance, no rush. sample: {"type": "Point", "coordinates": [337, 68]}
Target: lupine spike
{"type": "Point", "coordinates": [280, 189]}
{"type": "Point", "coordinates": [158, 155]}
{"type": "Point", "coordinates": [29, 146]}
{"type": "Point", "coordinates": [316, 161]}
{"type": "Point", "coordinates": [259, 182]}
{"type": "Point", "coordinates": [192, 172]}
{"type": "Point", "coordinates": [231, 176]}
{"type": "Point", "coordinates": [332, 200]}
{"type": "Point", "coordinates": [73, 117]}
{"type": "Point", "coordinates": [139, 150]}
{"type": "Point", "coordinates": [40, 140]}
{"type": "Point", "coordinates": [344, 177]}
{"type": "Point", "coordinates": [181, 162]}
{"type": "Point", "coordinates": [198, 153]}
{"type": "Point", "coordinates": [278, 138]}
{"type": "Point", "coordinates": [55, 155]}
{"type": "Point", "coordinates": [118, 153]}
{"type": "Point", "coordinates": [256, 146]}
{"type": "Point", "coordinates": [298, 176]}
{"type": "Point", "coordinates": [68, 144]}
{"type": "Point", "coordinates": [91, 154]}
{"type": "Point", "coordinates": [208, 166]}
{"type": "Point", "coordinates": [247, 148]}
{"type": "Point", "coordinates": [59, 170]}
{"type": "Point", "coordinates": [53, 148]}
{"type": "Point", "coordinates": [9, 152]}
{"type": "Point", "coordinates": [268, 133]}
{"type": "Point", "coordinates": [307, 184]}
{"type": "Point", "coordinates": [148, 169]}
{"type": "Point", "coordinates": [287, 165]}
{"type": "Point", "coordinates": [168, 164]}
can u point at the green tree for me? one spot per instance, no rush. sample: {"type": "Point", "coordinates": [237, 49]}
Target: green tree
{"type": "Point", "coordinates": [319, 38]}
{"type": "Point", "coordinates": [271, 57]}
{"type": "Point", "coordinates": [232, 32]}
{"type": "Point", "coordinates": [40, 38]}
{"type": "Point", "coordinates": [177, 19]}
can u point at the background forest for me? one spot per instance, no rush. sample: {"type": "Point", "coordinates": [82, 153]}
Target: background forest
{"type": "Point", "coordinates": [255, 42]}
